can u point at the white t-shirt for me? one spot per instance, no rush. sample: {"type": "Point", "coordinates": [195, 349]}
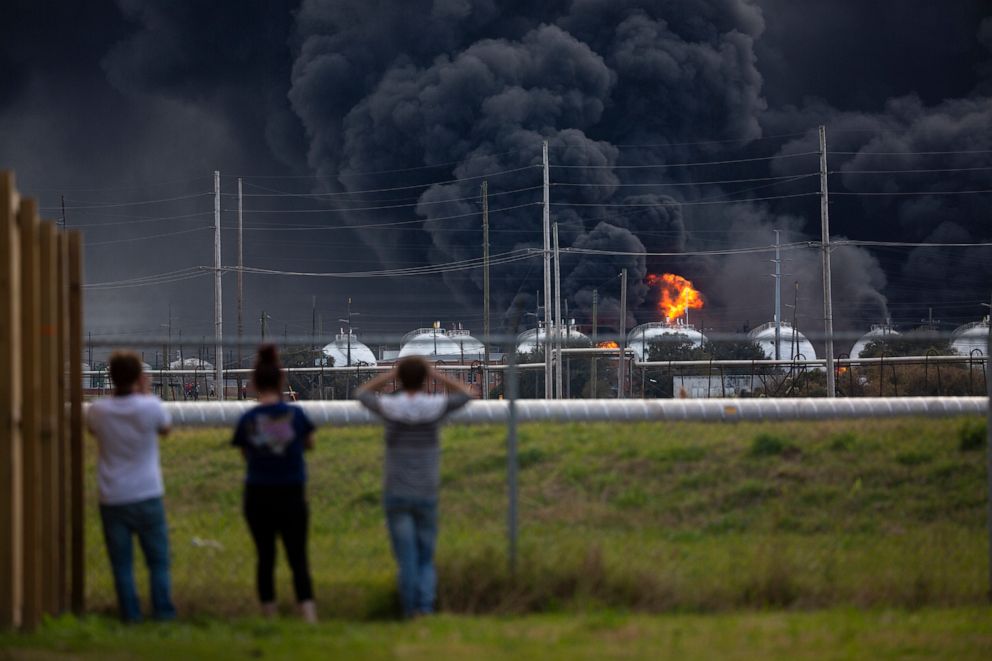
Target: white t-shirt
{"type": "Point", "coordinates": [126, 430]}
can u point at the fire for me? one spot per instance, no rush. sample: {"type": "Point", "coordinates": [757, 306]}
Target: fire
{"type": "Point", "coordinates": [677, 295]}
{"type": "Point", "coordinates": [610, 344]}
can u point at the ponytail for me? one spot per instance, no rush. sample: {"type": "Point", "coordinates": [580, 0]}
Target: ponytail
{"type": "Point", "coordinates": [268, 370]}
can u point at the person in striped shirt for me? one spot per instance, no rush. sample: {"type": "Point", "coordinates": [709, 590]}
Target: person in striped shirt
{"type": "Point", "coordinates": [411, 476]}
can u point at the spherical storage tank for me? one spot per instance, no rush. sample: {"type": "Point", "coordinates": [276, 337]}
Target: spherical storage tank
{"type": "Point", "coordinates": [468, 346]}
{"type": "Point", "coordinates": [792, 344]}
{"type": "Point", "coordinates": [878, 331]}
{"type": "Point", "coordinates": [531, 340]}
{"type": "Point", "coordinates": [337, 351]}
{"type": "Point", "coordinates": [971, 339]}
{"type": "Point", "coordinates": [430, 343]}
{"type": "Point", "coordinates": [642, 337]}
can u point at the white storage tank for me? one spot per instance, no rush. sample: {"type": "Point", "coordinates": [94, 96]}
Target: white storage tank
{"type": "Point", "coordinates": [534, 338]}
{"type": "Point", "coordinates": [640, 339]}
{"type": "Point", "coordinates": [338, 351]}
{"type": "Point", "coordinates": [877, 332]}
{"type": "Point", "coordinates": [430, 343]}
{"type": "Point", "coordinates": [971, 339]}
{"type": "Point", "coordinates": [792, 344]}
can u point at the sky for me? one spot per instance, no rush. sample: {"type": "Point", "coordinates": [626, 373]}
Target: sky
{"type": "Point", "coordinates": [363, 131]}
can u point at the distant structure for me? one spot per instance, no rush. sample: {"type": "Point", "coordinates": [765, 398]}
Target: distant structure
{"type": "Point", "coordinates": [191, 364]}
{"type": "Point", "coordinates": [436, 343]}
{"type": "Point", "coordinates": [641, 338]}
{"type": "Point", "coordinates": [338, 351]}
{"type": "Point", "coordinates": [792, 344]}
{"type": "Point", "coordinates": [971, 339]}
{"type": "Point", "coordinates": [877, 332]}
{"type": "Point", "coordinates": [533, 339]}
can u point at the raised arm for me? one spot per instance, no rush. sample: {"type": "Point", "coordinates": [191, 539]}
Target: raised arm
{"type": "Point", "coordinates": [377, 383]}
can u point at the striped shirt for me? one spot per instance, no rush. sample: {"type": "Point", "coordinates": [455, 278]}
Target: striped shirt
{"type": "Point", "coordinates": [413, 451]}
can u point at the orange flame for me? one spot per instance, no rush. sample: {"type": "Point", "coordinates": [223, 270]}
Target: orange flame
{"type": "Point", "coordinates": [609, 344]}
{"type": "Point", "coordinates": [677, 295]}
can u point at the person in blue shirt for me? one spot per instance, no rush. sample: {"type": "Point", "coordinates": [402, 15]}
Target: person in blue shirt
{"type": "Point", "coordinates": [273, 437]}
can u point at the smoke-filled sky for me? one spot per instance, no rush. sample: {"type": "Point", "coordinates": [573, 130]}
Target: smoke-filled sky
{"type": "Point", "coordinates": [363, 131]}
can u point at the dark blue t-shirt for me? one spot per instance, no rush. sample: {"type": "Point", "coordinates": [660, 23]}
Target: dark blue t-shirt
{"type": "Point", "coordinates": [273, 437]}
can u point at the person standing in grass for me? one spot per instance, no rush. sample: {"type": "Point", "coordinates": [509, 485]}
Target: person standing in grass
{"type": "Point", "coordinates": [273, 437]}
{"type": "Point", "coordinates": [127, 426]}
{"type": "Point", "coordinates": [411, 477]}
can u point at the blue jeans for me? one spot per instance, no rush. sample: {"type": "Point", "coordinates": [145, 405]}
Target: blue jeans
{"type": "Point", "coordinates": [412, 524]}
{"type": "Point", "coordinates": [146, 519]}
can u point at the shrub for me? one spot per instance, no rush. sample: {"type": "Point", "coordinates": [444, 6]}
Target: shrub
{"type": "Point", "coordinates": [769, 445]}
{"type": "Point", "coordinates": [972, 436]}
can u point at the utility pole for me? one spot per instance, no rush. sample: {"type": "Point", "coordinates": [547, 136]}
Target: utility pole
{"type": "Point", "coordinates": [778, 296]}
{"type": "Point", "coordinates": [595, 336]}
{"type": "Point", "coordinates": [485, 289]}
{"type": "Point", "coordinates": [241, 283]}
{"type": "Point", "coordinates": [988, 442]}
{"type": "Point", "coordinates": [548, 376]}
{"type": "Point", "coordinates": [347, 320]}
{"type": "Point", "coordinates": [828, 307]}
{"type": "Point", "coordinates": [64, 221]}
{"type": "Point", "coordinates": [621, 366]}
{"type": "Point", "coordinates": [558, 324]}
{"type": "Point", "coordinates": [218, 295]}
{"type": "Point", "coordinates": [262, 324]}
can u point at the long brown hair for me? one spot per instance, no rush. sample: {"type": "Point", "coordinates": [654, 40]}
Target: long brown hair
{"type": "Point", "coordinates": [268, 370]}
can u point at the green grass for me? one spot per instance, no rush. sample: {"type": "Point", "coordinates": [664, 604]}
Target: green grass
{"type": "Point", "coordinates": [960, 634]}
{"type": "Point", "coordinates": [649, 518]}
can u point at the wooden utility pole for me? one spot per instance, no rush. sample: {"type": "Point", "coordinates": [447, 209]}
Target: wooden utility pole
{"type": "Point", "coordinates": [828, 306]}
{"type": "Point", "coordinates": [548, 365]}
{"type": "Point", "coordinates": [622, 362]}
{"type": "Point", "coordinates": [241, 283]}
{"type": "Point", "coordinates": [485, 289]}
{"type": "Point", "coordinates": [595, 337]}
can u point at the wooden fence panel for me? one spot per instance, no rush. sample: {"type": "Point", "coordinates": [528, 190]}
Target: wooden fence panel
{"type": "Point", "coordinates": [10, 407]}
{"type": "Point", "coordinates": [50, 405]}
{"type": "Point", "coordinates": [63, 429]}
{"type": "Point", "coordinates": [76, 455]}
{"type": "Point", "coordinates": [27, 220]}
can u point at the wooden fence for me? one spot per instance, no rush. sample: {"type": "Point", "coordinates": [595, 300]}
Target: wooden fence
{"type": "Point", "coordinates": [41, 417]}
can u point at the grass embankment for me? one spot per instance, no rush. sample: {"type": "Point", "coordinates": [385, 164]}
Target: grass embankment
{"type": "Point", "coordinates": [836, 634]}
{"type": "Point", "coordinates": [641, 517]}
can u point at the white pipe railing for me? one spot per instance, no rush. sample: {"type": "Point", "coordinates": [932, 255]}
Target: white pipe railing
{"type": "Point", "coordinates": [345, 413]}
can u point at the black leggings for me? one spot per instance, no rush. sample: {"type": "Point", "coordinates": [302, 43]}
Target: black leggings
{"type": "Point", "coordinates": [279, 510]}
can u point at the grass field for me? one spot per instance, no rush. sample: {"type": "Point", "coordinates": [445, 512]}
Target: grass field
{"type": "Point", "coordinates": [959, 634]}
{"type": "Point", "coordinates": [640, 517]}
{"type": "Point", "coordinates": [854, 539]}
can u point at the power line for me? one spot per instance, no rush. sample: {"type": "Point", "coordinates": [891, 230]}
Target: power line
{"type": "Point", "coordinates": [683, 165]}
{"type": "Point", "coordinates": [910, 153]}
{"type": "Point", "coordinates": [144, 238]}
{"type": "Point", "coordinates": [288, 228]}
{"type": "Point", "coordinates": [687, 183]}
{"type": "Point", "coordinates": [693, 253]}
{"type": "Point", "coordinates": [944, 192]}
{"type": "Point", "coordinates": [683, 203]}
{"type": "Point", "coordinates": [131, 204]}
{"type": "Point", "coordinates": [373, 172]}
{"type": "Point", "coordinates": [922, 170]}
{"type": "Point", "coordinates": [384, 207]}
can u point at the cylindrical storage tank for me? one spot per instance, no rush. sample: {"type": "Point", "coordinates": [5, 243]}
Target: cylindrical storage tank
{"type": "Point", "coordinates": [642, 337]}
{"type": "Point", "coordinates": [792, 344]}
{"type": "Point", "coordinates": [971, 339]}
{"type": "Point", "coordinates": [337, 351]}
{"type": "Point", "coordinates": [533, 339]}
{"type": "Point", "coordinates": [429, 343]}
{"type": "Point", "coordinates": [877, 331]}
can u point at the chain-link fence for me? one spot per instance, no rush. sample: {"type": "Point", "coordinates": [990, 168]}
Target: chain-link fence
{"type": "Point", "coordinates": [855, 507]}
